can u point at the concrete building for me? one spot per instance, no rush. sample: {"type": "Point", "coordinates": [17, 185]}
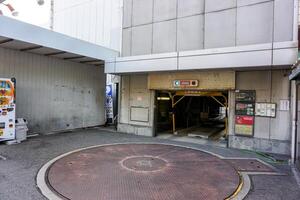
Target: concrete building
{"type": "Point", "coordinates": [215, 53]}
{"type": "Point", "coordinates": [95, 21]}
{"type": "Point", "coordinates": [60, 80]}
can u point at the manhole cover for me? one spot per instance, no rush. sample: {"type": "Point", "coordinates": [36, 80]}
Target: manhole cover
{"type": "Point", "coordinates": [136, 171]}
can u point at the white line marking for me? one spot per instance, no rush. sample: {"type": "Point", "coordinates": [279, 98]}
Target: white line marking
{"type": "Point", "coordinates": [3, 158]}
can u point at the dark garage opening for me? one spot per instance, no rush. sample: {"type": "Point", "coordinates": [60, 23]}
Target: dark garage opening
{"type": "Point", "coordinates": [195, 114]}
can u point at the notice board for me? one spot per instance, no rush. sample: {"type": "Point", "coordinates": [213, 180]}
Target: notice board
{"type": "Point", "coordinates": [244, 125]}
{"type": "Point", "coordinates": [245, 112]}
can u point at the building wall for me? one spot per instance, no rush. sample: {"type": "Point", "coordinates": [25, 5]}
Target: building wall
{"type": "Point", "coordinates": [270, 134]}
{"type": "Point", "coordinates": [136, 106]}
{"type": "Point", "coordinates": [160, 26]}
{"type": "Point", "coordinates": [95, 21]}
{"type": "Point", "coordinates": [54, 94]}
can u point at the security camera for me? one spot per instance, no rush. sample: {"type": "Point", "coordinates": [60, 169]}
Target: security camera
{"type": "Point", "coordinates": [15, 13]}
{"type": "Point", "coordinates": [41, 2]}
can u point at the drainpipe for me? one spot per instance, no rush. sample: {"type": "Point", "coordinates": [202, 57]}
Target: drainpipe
{"type": "Point", "coordinates": [294, 113]}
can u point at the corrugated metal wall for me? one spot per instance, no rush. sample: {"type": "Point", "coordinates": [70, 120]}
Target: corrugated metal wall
{"type": "Point", "coordinates": [95, 21]}
{"type": "Point", "coordinates": [53, 94]}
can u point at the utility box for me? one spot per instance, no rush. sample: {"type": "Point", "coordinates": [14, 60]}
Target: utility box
{"type": "Point", "coordinates": [21, 130]}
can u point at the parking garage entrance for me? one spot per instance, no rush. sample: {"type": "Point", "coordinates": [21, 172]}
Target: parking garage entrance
{"type": "Point", "coordinates": [199, 114]}
{"type": "Point", "coordinates": [192, 103]}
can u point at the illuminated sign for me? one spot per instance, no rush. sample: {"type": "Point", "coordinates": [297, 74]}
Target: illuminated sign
{"type": "Point", "coordinates": [185, 83]}
{"type": "Point", "coordinates": [244, 125]}
{"type": "Point", "coordinates": [245, 111]}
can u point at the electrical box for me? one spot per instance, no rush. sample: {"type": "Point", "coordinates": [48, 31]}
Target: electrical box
{"type": "Point", "coordinates": [7, 109]}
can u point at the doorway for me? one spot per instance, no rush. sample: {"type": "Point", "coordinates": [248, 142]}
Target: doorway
{"type": "Point", "coordinates": [198, 114]}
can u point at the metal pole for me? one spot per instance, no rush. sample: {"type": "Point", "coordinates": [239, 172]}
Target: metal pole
{"type": "Point", "coordinates": [173, 116]}
{"type": "Point", "coordinates": [52, 15]}
{"type": "Point", "coordinates": [294, 112]}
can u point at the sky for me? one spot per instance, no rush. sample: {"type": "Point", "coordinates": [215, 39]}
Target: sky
{"type": "Point", "coordinates": [30, 11]}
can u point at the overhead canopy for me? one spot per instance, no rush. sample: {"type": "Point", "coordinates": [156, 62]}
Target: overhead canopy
{"type": "Point", "coordinates": [25, 37]}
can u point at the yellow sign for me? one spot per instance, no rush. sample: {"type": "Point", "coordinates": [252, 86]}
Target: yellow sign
{"type": "Point", "coordinates": [1, 132]}
{"type": "Point", "coordinates": [246, 130]}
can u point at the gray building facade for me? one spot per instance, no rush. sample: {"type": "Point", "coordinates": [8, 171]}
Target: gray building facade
{"type": "Point", "coordinates": [226, 45]}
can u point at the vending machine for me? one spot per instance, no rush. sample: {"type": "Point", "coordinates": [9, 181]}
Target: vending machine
{"type": "Point", "coordinates": [7, 109]}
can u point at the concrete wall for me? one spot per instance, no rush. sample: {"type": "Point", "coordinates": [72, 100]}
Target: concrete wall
{"type": "Point", "coordinates": [95, 21]}
{"type": "Point", "coordinates": [136, 106]}
{"type": "Point", "coordinates": [54, 94]}
{"type": "Point", "coordinates": [160, 26]}
{"type": "Point", "coordinates": [270, 134]}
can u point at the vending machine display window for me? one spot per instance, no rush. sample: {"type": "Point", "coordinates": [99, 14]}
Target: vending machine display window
{"type": "Point", "coordinates": [7, 109]}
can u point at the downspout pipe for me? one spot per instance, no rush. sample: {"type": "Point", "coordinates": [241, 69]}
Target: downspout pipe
{"type": "Point", "coordinates": [294, 92]}
{"type": "Point", "coordinates": [294, 117]}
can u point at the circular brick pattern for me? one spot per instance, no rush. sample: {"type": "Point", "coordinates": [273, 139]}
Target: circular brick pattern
{"type": "Point", "coordinates": [142, 171]}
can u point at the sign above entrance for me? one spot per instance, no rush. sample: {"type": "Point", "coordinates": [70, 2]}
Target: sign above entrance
{"type": "Point", "coordinates": [192, 80]}
{"type": "Point", "coordinates": [185, 83]}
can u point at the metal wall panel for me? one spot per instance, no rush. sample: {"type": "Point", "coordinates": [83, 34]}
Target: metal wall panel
{"type": "Point", "coordinates": [283, 23]}
{"type": "Point", "coordinates": [97, 21]}
{"type": "Point", "coordinates": [216, 23]}
{"type": "Point", "coordinates": [190, 33]}
{"type": "Point", "coordinates": [190, 7]}
{"type": "Point", "coordinates": [164, 10]}
{"type": "Point", "coordinates": [217, 5]}
{"type": "Point", "coordinates": [141, 42]}
{"type": "Point", "coordinates": [142, 12]}
{"type": "Point", "coordinates": [220, 29]}
{"type": "Point", "coordinates": [53, 94]}
{"type": "Point", "coordinates": [258, 28]}
{"type": "Point", "coordinates": [164, 37]}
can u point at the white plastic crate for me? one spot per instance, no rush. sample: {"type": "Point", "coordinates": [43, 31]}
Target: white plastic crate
{"type": "Point", "coordinates": [21, 129]}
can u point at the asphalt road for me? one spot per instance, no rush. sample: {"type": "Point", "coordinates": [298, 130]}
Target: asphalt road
{"type": "Point", "coordinates": [20, 163]}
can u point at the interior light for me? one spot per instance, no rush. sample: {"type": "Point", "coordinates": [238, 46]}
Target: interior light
{"type": "Point", "coordinates": [163, 98]}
